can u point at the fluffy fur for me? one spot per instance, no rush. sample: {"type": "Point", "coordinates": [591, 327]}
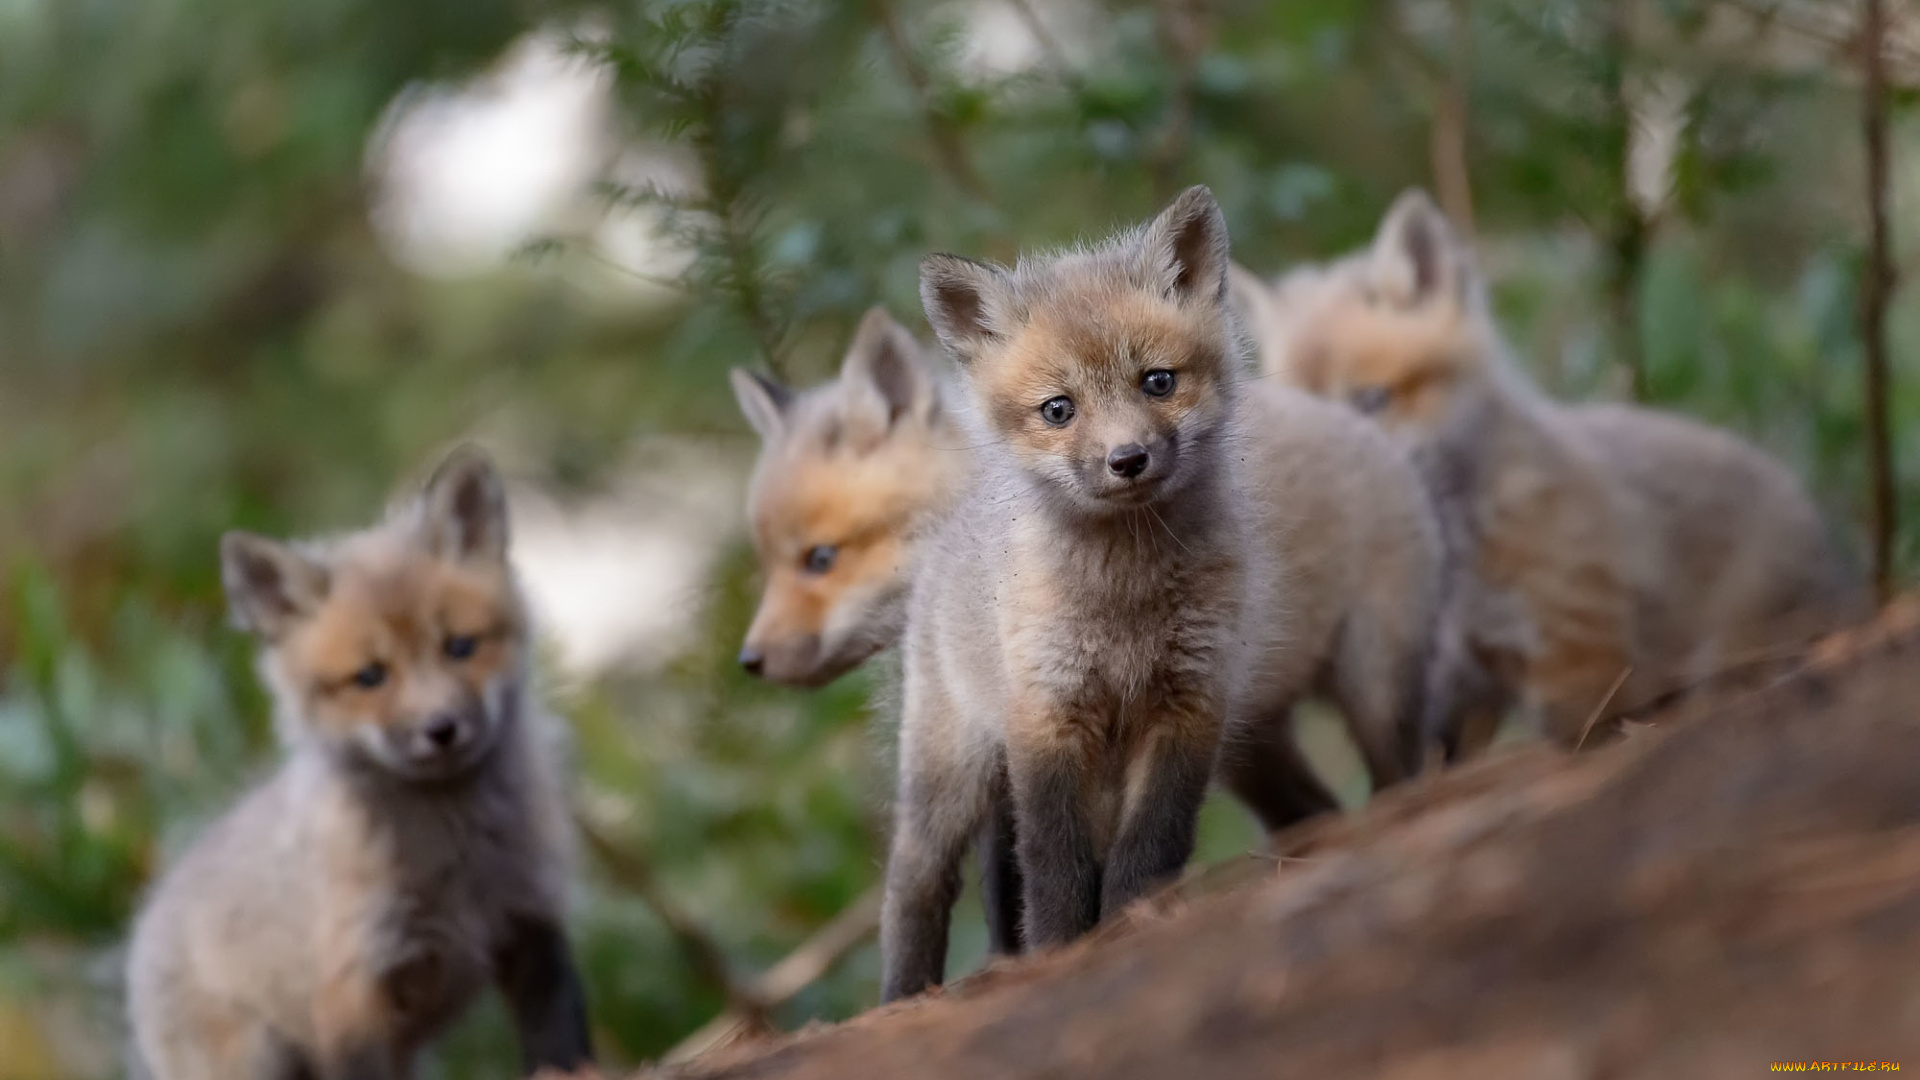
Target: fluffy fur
{"type": "Point", "coordinates": [1128, 585]}
{"type": "Point", "coordinates": [1593, 543]}
{"type": "Point", "coordinates": [409, 848]}
{"type": "Point", "coordinates": [849, 474]}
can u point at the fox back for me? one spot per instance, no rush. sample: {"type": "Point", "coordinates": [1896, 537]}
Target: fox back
{"type": "Point", "coordinates": [1574, 517]}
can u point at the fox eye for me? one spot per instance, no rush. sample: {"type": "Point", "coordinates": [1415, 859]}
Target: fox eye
{"type": "Point", "coordinates": [1057, 411]}
{"type": "Point", "coordinates": [1157, 383]}
{"type": "Point", "coordinates": [1370, 399]}
{"type": "Point", "coordinates": [819, 558]}
{"type": "Point", "coordinates": [460, 646]}
{"type": "Point", "coordinates": [370, 676]}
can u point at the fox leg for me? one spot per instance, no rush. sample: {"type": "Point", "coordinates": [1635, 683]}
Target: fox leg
{"type": "Point", "coordinates": [942, 801]}
{"type": "Point", "coordinates": [536, 974]}
{"type": "Point", "coordinates": [1577, 680]}
{"type": "Point", "coordinates": [1000, 870]}
{"type": "Point", "coordinates": [1475, 731]}
{"type": "Point", "coordinates": [351, 1028]}
{"type": "Point", "coordinates": [1054, 766]}
{"type": "Point", "coordinates": [200, 1040]}
{"type": "Point", "coordinates": [1381, 679]}
{"type": "Point", "coordinates": [1263, 767]}
{"type": "Point", "coordinates": [1167, 781]}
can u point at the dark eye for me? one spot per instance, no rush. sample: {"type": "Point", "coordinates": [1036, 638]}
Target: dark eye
{"type": "Point", "coordinates": [370, 676]}
{"type": "Point", "coordinates": [1057, 411]}
{"type": "Point", "coordinates": [1157, 383]}
{"type": "Point", "coordinates": [460, 646]}
{"type": "Point", "coordinates": [1370, 399]}
{"type": "Point", "coordinates": [819, 558]}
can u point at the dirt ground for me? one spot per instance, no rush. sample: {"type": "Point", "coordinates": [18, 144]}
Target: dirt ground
{"type": "Point", "coordinates": [1735, 883]}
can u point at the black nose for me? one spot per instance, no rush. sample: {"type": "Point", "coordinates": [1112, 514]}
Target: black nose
{"type": "Point", "coordinates": [752, 660]}
{"type": "Point", "coordinates": [443, 731]}
{"type": "Point", "coordinates": [1128, 461]}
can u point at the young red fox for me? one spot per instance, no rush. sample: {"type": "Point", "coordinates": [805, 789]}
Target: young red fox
{"type": "Point", "coordinates": [408, 849]}
{"type": "Point", "coordinates": [1597, 540]}
{"type": "Point", "coordinates": [849, 473]}
{"type": "Point", "coordinates": [1148, 562]}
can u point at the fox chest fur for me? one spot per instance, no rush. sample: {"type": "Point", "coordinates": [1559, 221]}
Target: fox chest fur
{"type": "Point", "coordinates": [420, 889]}
{"type": "Point", "coordinates": [1114, 625]}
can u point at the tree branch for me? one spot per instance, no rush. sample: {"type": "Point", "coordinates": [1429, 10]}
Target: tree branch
{"type": "Point", "coordinates": [948, 147]}
{"type": "Point", "coordinates": [1183, 28]}
{"type": "Point", "coordinates": [783, 981]}
{"type": "Point", "coordinates": [633, 871]}
{"type": "Point", "coordinates": [1628, 231]}
{"type": "Point", "coordinates": [1452, 179]}
{"type": "Point", "coordinates": [1876, 290]}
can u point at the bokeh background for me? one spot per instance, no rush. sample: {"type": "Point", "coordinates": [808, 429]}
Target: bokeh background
{"type": "Point", "coordinates": [260, 260]}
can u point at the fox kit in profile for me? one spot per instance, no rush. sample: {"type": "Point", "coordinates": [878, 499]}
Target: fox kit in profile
{"type": "Point", "coordinates": [407, 850]}
{"type": "Point", "coordinates": [1597, 540]}
{"type": "Point", "coordinates": [1148, 562]}
{"type": "Point", "coordinates": [849, 474]}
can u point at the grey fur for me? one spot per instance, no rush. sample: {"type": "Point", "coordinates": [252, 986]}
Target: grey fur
{"type": "Point", "coordinates": [346, 910]}
{"type": "Point", "coordinates": [1105, 657]}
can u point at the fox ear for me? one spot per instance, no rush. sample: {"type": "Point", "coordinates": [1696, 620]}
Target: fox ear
{"type": "Point", "coordinates": [762, 400]}
{"type": "Point", "coordinates": [1186, 248]}
{"type": "Point", "coordinates": [883, 377]}
{"type": "Point", "coordinates": [269, 585]}
{"type": "Point", "coordinates": [465, 508]}
{"type": "Point", "coordinates": [966, 302]}
{"type": "Point", "coordinates": [1416, 256]}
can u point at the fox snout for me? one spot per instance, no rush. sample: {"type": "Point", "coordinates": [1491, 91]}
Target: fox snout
{"type": "Point", "coordinates": [440, 735]}
{"type": "Point", "coordinates": [806, 639]}
{"type": "Point", "coordinates": [1129, 461]}
{"type": "Point", "coordinates": [435, 744]}
{"type": "Point", "coordinates": [791, 660]}
{"type": "Point", "coordinates": [1132, 468]}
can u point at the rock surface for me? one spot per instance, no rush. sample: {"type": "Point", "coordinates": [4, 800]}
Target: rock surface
{"type": "Point", "coordinates": [1734, 884]}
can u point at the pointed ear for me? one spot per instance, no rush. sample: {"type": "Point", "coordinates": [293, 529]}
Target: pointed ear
{"type": "Point", "coordinates": [763, 401]}
{"type": "Point", "coordinates": [1186, 248]}
{"type": "Point", "coordinates": [1416, 257]}
{"type": "Point", "coordinates": [464, 508]}
{"type": "Point", "coordinates": [966, 302]}
{"type": "Point", "coordinates": [883, 378]}
{"type": "Point", "coordinates": [269, 585]}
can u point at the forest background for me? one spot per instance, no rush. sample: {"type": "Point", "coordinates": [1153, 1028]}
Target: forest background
{"type": "Point", "coordinates": [260, 260]}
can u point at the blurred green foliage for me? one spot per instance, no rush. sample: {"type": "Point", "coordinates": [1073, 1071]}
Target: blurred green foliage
{"type": "Point", "coordinates": [199, 329]}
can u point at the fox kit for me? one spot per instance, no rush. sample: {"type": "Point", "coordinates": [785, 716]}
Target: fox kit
{"type": "Point", "coordinates": [849, 474]}
{"type": "Point", "coordinates": [1609, 554]}
{"type": "Point", "coordinates": [407, 850]}
{"type": "Point", "coordinates": [1151, 560]}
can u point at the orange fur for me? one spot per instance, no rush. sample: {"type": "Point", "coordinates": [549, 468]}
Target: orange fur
{"type": "Point", "coordinates": [396, 605]}
{"type": "Point", "coordinates": [857, 466]}
{"type": "Point", "coordinates": [1591, 541]}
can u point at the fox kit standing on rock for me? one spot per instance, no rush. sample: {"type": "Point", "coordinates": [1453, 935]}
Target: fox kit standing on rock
{"type": "Point", "coordinates": [850, 476]}
{"type": "Point", "coordinates": [1611, 554]}
{"type": "Point", "coordinates": [408, 849]}
{"type": "Point", "coordinates": [1114, 587]}
{"type": "Point", "coordinates": [850, 473]}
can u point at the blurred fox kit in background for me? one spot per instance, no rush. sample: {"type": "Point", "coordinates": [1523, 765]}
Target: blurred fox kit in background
{"type": "Point", "coordinates": [1151, 561]}
{"type": "Point", "coordinates": [851, 472]}
{"type": "Point", "coordinates": [409, 848]}
{"type": "Point", "coordinates": [1609, 554]}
